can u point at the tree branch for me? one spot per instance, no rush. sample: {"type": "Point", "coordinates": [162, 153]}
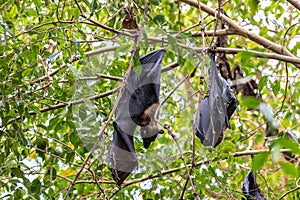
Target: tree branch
{"type": "Point", "coordinates": [292, 190]}
{"type": "Point", "coordinates": [243, 32]}
{"type": "Point", "coordinates": [163, 173]}
{"type": "Point", "coordinates": [61, 105]}
{"type": "Point", "coordinates": [295, 3]}
{"type": "Point", "coordinates": [98, 76]}
{"type": "Point", "coordinates": [275, 56]}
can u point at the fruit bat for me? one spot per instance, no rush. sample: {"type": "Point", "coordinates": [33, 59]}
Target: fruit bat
{"type": "Point", "coordinates": [144, 100]}
{"type": "Point", "coordinates": [137, 106]}
{"type": "Point", "coordinates": [215, 109]}
{"type": "Point", "coordinates": [246, 89]}
{"type": "Point", "coordinates": [129, 20]}
{"type": "Point", "coordinates": [250, 188]}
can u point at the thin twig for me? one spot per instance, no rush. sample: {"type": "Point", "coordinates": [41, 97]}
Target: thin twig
{"type": "Point", "coordinates": [292, 190]}
{"type": "Point", "coordinates": [202, 162]}
{"type": "Point", "coordinates": [182, 157]}
{"type": "Point", "coordinates": [259, 54]}
{"type": "Point", "coordinates": [98, 76]}
{"type": "Point", "coordinates": [217, 16]}
{"type": "Point", "coordinates": [62, 105]}
{"type": "Point", "coordinates": [40, 88]}
{"type": "Point", "coordinates": [97, 183]}
{"type": "Point", "coordinates": [286, 68]}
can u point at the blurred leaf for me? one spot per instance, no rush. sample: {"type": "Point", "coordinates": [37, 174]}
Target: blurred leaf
{"type": "Point", "coordinates": [246, 58]}
{"type": "Point", "coordinates": [289, 169]}
{"type": "Point", "coordinates": [123, 49]}
{"type": "Point", "coordinates": [276, 87]}
{"type": "Point", "coordinates": [250, 102]}
{"type": "Point", "coordinates": [92, 7]}
{"type": "Point", "coordinates": [67, 172]}
{"type": "Point", "coordinates": [172, 42]}
{"type": "Point", "coordinates": [160, 20]}
{"type": "Point", "coordinates": [262, 83]}
{"type": "Point", "coordinates": [259, 160]}
{"type": "Point", "coordinates": [137, 67]}
{"type": "Point", "coordinates": [36, 186]}
{"type": "Point", "coordinates": [32, 154]}
{"type": "Point", "coordinates": [265, 109]}
{"type": "Point", "coordinates": [16, 172]}
{"type": "Point", "coordinates": [189, 64]}
{"type": "Point", "coordinates": [70, 157]}
{"type": "Point", "coordinates": [253, 5]}
{"type": "Point", "coordinates": [155, 2]}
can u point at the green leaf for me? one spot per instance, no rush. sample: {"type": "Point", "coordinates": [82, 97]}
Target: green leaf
{"type": "Point", "coordinates": [259, 160]}
{"type": "Point", "coordinates": [70, 157]}
{"type": "Point", "coordinates": [289, 144]}
{"type": "Point", "coordinates": [262, 83]}
{"type": "Point", "coordinates": [36, 186]}
{"type": "Point", "coordinates": [160, 20]}
{"type": "Point", "coordinates": [253, 5]}
{"type": "Point", "coordinates": [189, 64]}
{"type": "Point", "coordinates": [16, 172]}
{"type": "Point", "coordinates": [144, 44]}
{"type": "Point", "coordinates": [250, 103]}
{"type": "Point", "coordinates": [155, 2]}
{"type": "Point", "coordinates": [289, 169]}
{"type": "Point", "coordinates": [93, 8]}
{"type": "Point", "coordinates": [246, 57]}
{"type": "Point", "coordinates": [13, 12]}
{"type": "Point", "coordinates": [276, 87]}
{"type": "Point", "coordinates": [137, 67]}
{"type": "Point", "coordinates": [75, 139]}
{"type": "Point", "coordinates": [172, 41]}
{"type": "Point", "coordinates": [123, 49]}
{"type": "Point", "coordinates": [51, 172]}
{"type": "Point", "coordinates": [37, 3]}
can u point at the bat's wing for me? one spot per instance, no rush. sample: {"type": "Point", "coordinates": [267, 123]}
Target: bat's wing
{"type": "Point", "coordinates": [122, 153]}
{"type": "Point", "coordinates": [145, 98]}
{"type": "Point", "coordinates": [215, 109]}
{"type": "Point", "coordinates": [250, 188]}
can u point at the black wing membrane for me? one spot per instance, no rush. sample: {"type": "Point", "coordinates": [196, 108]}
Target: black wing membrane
{"type": "Point", "coordinates": [250, 188]}
{"type": "Point", "coordinates": [137, 106]}
{"type": "Point", "coordinates": [215, 109]}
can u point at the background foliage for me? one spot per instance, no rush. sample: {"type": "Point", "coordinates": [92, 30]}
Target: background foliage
{"type": "Point", "coordinates": [46, 134]}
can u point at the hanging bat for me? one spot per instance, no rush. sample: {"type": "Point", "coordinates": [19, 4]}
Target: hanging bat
{"type": "Point", "coordinates": [250, 188]}
{"type": "Point", "coordinates": [129, 20]}
{"type": "Point", "coordinates": [215, 109]}
{"type": "Point", "coordinates": [137, 106]}
{"type": "Point", "coordinates": [145, 99]}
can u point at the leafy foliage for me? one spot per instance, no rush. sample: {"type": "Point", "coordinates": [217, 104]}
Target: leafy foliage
{"type": "Point", "coordinates": [52, 111]}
